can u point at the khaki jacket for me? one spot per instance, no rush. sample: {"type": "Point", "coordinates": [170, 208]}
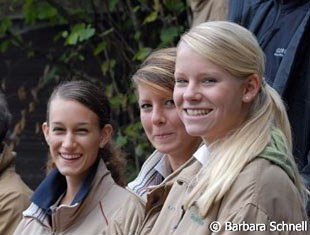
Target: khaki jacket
{"type": "Point", "coordinates": [90, 216]}
{"type": "Point", "coordinates": [14, 193]}
{"type": "Point", "coordinates": [208, 10]}
{"type": "Point", "coordinates": [253, 198]}
{"type": "Point", "coordinates": [138, 217]}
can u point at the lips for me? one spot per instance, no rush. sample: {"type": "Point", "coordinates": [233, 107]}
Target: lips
{"type": "Point", "coordinates": [197, 112]}
{"type": "Point", "coordinates": [68, 156]}
{"type": "Point", "coordinates": [163, 135]}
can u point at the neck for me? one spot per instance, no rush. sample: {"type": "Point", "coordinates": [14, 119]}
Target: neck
{"type": "Point", "coordinates": [73, 187]}
{"type": "Point", "coordinates": [180, 157]}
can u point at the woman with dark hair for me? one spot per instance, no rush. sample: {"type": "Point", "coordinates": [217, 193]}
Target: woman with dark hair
{"type": "Point", "coordinates": [80, 194]}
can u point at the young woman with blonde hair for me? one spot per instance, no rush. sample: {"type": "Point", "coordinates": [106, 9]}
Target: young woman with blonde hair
{"type": "Point", "coordinates": [250, 181]}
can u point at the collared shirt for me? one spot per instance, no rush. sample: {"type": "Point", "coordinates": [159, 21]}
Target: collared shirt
{"type": "Point", "coordinates": [202, 154]}
{"type": "Point", "coordinates": [163, 167]}
{"type": "Point", "coordinates": [156, 168]}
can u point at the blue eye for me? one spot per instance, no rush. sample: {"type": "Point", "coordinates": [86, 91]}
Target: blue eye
{"type": "Point", "coordinates": [209, 80]}
{"type": "Point", "coordinates": [169, 102]}
{"type": "Point", "coordinates": [180, 81]}
{"type": "Point", "coordinates": [145, 106]}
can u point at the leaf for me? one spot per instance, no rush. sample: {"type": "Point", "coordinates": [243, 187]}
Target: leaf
{"type": "Point", "coordinates": [112, 5]}
{"type": "Point", "coordinates": [86, 33]}
{"type": "Point", "coordinates": [50, 74]}
{"type": "Point", "coordinates": [100, 47]}
{"type": "Point", "coordinates": [6, 23]}
{"type": "Point", "coordinates": [72, 39]}
{"type": "Point", "coordinates": [151, 17]}
{"type": "Point", "coordinates": [116, 101]}
{"type": "Point", "coordinates": [105, 66]}
{"type": "Point", "coordinates": [142, 53]}
{"type": "Point", "coordinates": [79, 33]}
{"type": "Point", "coordinates": [169, 34]}
{"type": "Point", "coordinates": [65, 34]}
{"type": "Point", "coordinates": [121, 140]}
{"type": "Point", "coordinates": [29, 12]}
{"type": "Point", "coordinates": [137, 35]}
{"type": "Point", "coordinates": [174, 5]}
{"type": "Point", "coordinates": [107, 32]}
{"type": "Point", "coordinates": [45, 11]}
{"type": "Point", "coordinates": [4, 46]}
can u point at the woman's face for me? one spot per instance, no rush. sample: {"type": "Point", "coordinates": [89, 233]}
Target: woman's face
{"type": "Point", "coordinates": [74, 137]}
{"type": "Point", "coordinates": [210, 101]}
{"type": "Point", "coordinates": [162, 124]}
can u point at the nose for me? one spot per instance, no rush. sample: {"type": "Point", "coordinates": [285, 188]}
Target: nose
{"type": "Point", "coordinates": [158, 116]}
{"type": "Point", "coordinates": [192, 93]}
{"type": "Point", "coordinates": [68, 141]}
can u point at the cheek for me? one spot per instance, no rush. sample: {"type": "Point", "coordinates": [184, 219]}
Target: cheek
{"type": "Point", "coordinates": [177, 96]}
{"type": "Point", "coordinates": [175, 120]}
{"type": "Point", "coordinates": [53, 142]}
{"type": "Point", "coordinates": [145, 121]}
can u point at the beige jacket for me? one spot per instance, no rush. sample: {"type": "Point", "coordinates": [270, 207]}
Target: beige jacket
{"type": "Point", "coordinates": [14, 194]}
{"type": "Point", "coordinates": [208, 10]}
{"type": "Point", "coordinates": [89, 216]}
{"type": "Point", "coordinates": [136, 217]}
{"type": "Point", "coordinates": [253, 198]}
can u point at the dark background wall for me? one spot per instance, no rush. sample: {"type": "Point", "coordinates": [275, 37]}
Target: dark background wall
{"type": "Point", "coordinates": [21, 80]}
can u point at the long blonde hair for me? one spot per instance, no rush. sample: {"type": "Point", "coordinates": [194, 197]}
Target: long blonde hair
{"type": "Point", "coordinates": [236, 50]}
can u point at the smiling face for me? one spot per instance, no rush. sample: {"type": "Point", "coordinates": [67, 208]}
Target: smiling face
{"type": "Point", "coordinates": [210, 101]}
{"type": "Point", "coordinates": [162, 124]}
{"type": "Point", "coordinates": [74, 137]}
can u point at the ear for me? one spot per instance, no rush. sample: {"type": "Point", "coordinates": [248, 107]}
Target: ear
{"type": "Point", "coordinates": [251, 87]}
{"type": "Point", "coordinates": [106, 133]}
{"type": "Point", "coordinates": [45, 130]}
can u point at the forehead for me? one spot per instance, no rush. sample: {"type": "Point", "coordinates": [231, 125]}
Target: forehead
{"type": "Point", "coordinates": [190, 62]}
{"type": "Point", "coordinates": [148, 92]}
{"type": "Point", "coordinates": [65, 110]}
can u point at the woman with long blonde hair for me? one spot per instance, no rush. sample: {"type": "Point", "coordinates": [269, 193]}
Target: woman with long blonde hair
{"type": "Point", "coordinates": [250, 181]}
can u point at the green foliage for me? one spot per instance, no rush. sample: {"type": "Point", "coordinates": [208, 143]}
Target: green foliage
{"type": "Point", "coordinates": [113, 36]}
{"type": "Point", "coordinates": [78, 33]}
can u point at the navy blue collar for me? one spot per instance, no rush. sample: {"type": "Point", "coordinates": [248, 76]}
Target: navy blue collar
{"type": "Point", "coordinates": [54, 185]}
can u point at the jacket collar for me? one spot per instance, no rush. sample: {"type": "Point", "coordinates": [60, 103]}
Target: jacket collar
{"type": "Point", "coordinates": [54, 185]}
{"type": "Point", "coordinates": [95, 187]}
{"type": "Point", "coordinates": [7, 158]}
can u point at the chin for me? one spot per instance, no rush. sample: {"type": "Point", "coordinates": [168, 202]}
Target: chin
{"type": "Point", "coordinates": [194, 131]}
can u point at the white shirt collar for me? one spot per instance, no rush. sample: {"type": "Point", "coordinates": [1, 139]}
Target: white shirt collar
{"type": "Point", "coordinates": [202, 154]}
{"type": "Point", "coordinates": [163, 167]}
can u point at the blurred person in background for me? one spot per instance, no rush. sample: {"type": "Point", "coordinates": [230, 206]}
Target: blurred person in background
{"type": "Point", "coordinates": [14, 193]}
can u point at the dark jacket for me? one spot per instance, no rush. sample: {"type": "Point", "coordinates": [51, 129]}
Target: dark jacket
{"type": "Point", "coordinates": [292, 77]}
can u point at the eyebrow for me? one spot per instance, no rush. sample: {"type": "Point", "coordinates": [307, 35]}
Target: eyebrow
{"type": "Point", "coordinates": [208, 73]}
{"type": "Point", "coordinates": [79, 124]}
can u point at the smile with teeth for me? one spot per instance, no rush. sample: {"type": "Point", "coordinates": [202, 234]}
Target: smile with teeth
{"type": "Point", "coordinates": [67, 156]}
{"type": "Point", "coordinates": [197, 112]}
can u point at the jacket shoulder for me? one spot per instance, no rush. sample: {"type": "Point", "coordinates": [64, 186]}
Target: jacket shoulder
{"type": "Point", "coordinates": [263, 188]}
